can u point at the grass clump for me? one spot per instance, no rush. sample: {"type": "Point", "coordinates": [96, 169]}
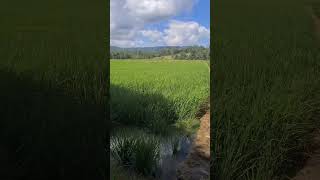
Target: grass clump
{"type": "Point", "coordinates": [188, 126]}
{"type": "Point", "coordinates": [123, 149]}
{"type": "Point", "coordinates": [136, 151]}
{"type": "Point", "coordinates": [147, 155]}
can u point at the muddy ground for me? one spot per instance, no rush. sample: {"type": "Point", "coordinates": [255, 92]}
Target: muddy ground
{"type": "Point", "coordinates": [197, 164]}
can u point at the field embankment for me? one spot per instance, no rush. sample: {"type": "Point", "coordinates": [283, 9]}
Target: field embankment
{"type": "Point", "coordinates": [197, 164]}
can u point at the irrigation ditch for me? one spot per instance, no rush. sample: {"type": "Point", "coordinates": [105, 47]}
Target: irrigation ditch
{"type": "Point", "coordinates": [175, 156]}
{"type": "Point", "coordinates": [197, 164]}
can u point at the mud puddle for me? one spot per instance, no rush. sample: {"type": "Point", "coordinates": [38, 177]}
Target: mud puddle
{"type": "Point", "coordinates": [172, 154]}
{"type": "Point", "coordinates": [197, 164]}
{"type": "Point", "coordinates": [173, 150]}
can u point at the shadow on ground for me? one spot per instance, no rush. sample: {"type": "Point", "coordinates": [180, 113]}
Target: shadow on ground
{"type": "Point", "coordinates": [141, 109]}
{"type": "Point", "coordinates": [45, 134]}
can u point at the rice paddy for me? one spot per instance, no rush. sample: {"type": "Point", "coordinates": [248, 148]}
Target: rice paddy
{"type": "Point", "coordinates": [161, 100]}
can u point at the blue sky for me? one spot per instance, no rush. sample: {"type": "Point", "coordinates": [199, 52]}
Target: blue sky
{"type": "Point", "coordinates": [136, 23]}
{"type": "Point", "coordinates": [200, 13]}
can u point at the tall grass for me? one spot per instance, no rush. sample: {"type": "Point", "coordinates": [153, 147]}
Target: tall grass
{"type": "Point", "coordinates": [53, 86]}
{"type": "Point", "coordinates": [135, 150]}
{"type": "Point", "coordinates": [265, 88]}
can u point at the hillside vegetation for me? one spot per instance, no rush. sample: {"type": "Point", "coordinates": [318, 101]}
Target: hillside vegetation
{"type": "Point", "coordinates": [179, 53]}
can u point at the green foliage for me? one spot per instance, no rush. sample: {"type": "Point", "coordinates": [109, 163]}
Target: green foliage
{"type": "Point", "coordinates": [157, 94]}
{"type": "Point", "coordinates": [266, 89]}
{"type": "Point", "coordinates": [123, 149]}
{"type": "Point", "coordinates": [147, 155]}
{"type": "Point", "coordinates": [153, 96]}
{"type": "Point", "coordinates": [118, 172]}
{"type": "Point", "coordinates": [135, 150]}
{"type": "Point", "coordinates": [53, 90]}
{"type": "Point", "coordinates": [189, 126]}
{"type": "Point", "coordinates": [179, 53]}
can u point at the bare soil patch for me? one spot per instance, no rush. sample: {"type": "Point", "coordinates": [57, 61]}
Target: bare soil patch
{"type": "Point", "coordinates": [197, 164]}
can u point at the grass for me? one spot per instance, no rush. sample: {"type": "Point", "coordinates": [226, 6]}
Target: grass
{"type": "Point", "coordinates": [53, 90]}
{"type": "Point", "coordinates": [266, 86]}
{"type": "Point", "coordinates": [119, 173]}
{"type": "Point", "coordinates": [147, 155]}
{"type": "Point", "coordinates": [160, 98]}
{"type": "Point", "coordinates": [131, 149]}
{"type": "Point", "coordinates": [155, 94]}
{"type": "Point", "coordinates": [316, 8]}
{"type": "Point", "coordinates": [135, 150]}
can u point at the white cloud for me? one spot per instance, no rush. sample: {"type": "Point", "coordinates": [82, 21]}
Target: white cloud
{"type": "Point", "coordinates": [153, 35]}
{"type": "Point", "coordinates": [179, 33]}
{"type": "Point", "coordinates": [155, 10]}
{"type": "Point", "coordinates": [123, 43]}
{"type": "Point", "coordinates": [129, 17]}
{"type": "Point", "coordinates": [188, 33]}
{"type": "Point", "coordinates": [123, 28]}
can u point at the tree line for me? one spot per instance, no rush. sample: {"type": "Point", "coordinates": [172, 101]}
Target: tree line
{"type": "Point", "coordinates": [179, 53]}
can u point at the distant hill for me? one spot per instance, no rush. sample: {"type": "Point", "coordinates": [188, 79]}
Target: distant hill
{"type": "Point", "coordinates": [147, 49]}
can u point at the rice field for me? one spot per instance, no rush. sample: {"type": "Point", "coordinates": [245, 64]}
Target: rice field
{"type": "Point", "coordinates": [159, 98]}
{"type": "Point", "coordinates": [265, 88]}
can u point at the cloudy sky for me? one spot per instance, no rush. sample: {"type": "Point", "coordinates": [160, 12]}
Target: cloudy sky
{"type": "Point", "coordinates": [142, 23]}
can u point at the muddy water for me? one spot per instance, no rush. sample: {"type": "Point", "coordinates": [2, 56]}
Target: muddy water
{"type": "Point", "coordinates": [173, 151]}
{"type": "Point", "coordinates": [171, 157]}
{"type": "Point", "coordinates": [197, 165]}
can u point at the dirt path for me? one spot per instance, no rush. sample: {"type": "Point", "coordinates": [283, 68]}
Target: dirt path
{"type": "Point", "coordinates": [197, 165]}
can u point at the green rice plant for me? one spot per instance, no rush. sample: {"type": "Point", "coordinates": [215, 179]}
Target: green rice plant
{"type": "Point", "coordinates": [53, 90]}
{"type": "Point", "coordinates": [123, 149]}
{"type": "Point", "coordinates": [135, 150]}
{"type": "Point", "coordinates": [147, 155]}
{"type": "Point", "coordinates": [265, 72]}
{"type": "Point", "coordinates": [157, 94]}
{"type": "Point", "coordinates": [159, 98]}
{"type": "Point", "coordinates": [188, 126]}
{"type": "Point", "coordinates": [120, 173]}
